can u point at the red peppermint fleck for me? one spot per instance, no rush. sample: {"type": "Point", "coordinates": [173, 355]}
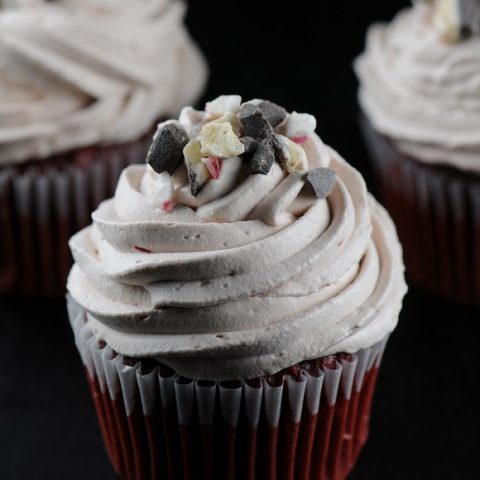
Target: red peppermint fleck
{"type": "Point", "coordinates": [141, 249]}
{"type": "Point", "coordinates": [340, 243]}
{"type": "Point", "coordinates": [167, 205]}
{"type": "Point", "coordinates": [300, 140]}
{"type": "Point", "coordinates": [214, 166]}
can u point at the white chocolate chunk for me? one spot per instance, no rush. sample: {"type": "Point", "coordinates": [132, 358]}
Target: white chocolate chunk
{"type": "Point", "coordinates": [234, 121]}
{"type": "Point", "coordinates": [295, 157]}
{"type": "Point", "coordinates": [300, 125]}
{"type": "Point", "coordinates": [219, 140]}
{"type": "Point", "coordinates": [223, 104]}
{"type": "Point", "coordinates": [192, 152]}
{"type": "Point", "coordinates": [447, 19]}
{"type": "Point", "coordinates": [198, 173]}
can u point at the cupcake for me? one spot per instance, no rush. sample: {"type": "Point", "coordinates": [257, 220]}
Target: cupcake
{"type": "Point", "coordinates": [232, 302]}
{"type": "Point", "coordinates": [420, 97]}
{"type": "Point", "coordinates": [83, 84]}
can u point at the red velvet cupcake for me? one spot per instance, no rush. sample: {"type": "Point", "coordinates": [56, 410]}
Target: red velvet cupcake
{"type": "Point", "coordinates": [82, 87]}
{"type": "Point", "coordinates": [421, 111]}
{"type": "Point", "coordinates": [232, 302]}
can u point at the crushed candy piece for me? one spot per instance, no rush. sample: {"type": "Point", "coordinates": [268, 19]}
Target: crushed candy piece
{"type": "Point", "coordinates": [223, 104]}
{"type": "Point", "coordinates": [214, 166]}
{"type": "Point", "coordinates": [167, 205]}
{"type": "Point", "coordinates": [189, 116]}
{"type": "Point", "coordinates": [469, 17]}
{"type": "Point", "coordinates": [234, 121]}
{"type": "Point", "coordinates": [219, 140]}
{"type": "Point", "coordinates": [274, 114]}
{"type": "Point", "coordinates": [263, 157]}
{"type": "Point", "coordinates": [300, 125]}
{"type": "Point", "coordinates": [322, 181]}
{"type": "Point", "coordinates": [291, 156]}
{"type": "Point", "coordinates": [250, 144]}
{"type": "Point", "coordinates": [198, 173]}
{"type": "Point", "coordinates": [254, 122]}
{"type": "Point", "coordinates": [255, 101]}
{"type": "Point", "coordinates": [457, 19]}
{"type": "Point", "coordinates": [300, 140]}
{"type": "Point", "coordinates": [166, 152]}
{"type": "Point", "coordinates": [191, 120]}
{"type": "Point", "coordinates": [447, 19]}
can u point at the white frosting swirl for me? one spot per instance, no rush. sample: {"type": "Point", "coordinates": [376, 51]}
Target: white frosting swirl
{"type": "Point", "coordinates": [422, 91]}
{"type": "Point", "coordinates": [240, 297]}
{"type": "Point", "coordinates": [79, 72]}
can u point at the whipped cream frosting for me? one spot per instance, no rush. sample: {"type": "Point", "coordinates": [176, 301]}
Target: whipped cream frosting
{"type": "Point", "coordinates": [423, 91]}
{"type": "Point", "coordinates": [250, 276]}
{"type": "Point", "coordinates": [79, 72]}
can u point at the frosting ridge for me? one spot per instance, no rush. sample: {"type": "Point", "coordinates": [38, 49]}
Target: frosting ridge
{"type": "Point", "coordinates": [75, 73]}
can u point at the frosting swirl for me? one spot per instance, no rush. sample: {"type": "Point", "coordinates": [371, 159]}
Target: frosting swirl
{"type": "Point", "coordinates": [423, 91]}
{"type": "Point", "coordinates": [79, 72]}
{"type": "Point", "coordinates": [250, 276]}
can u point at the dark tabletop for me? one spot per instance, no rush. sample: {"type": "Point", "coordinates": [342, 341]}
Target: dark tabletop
{"type": "Point", "coordinates": [426, 415]}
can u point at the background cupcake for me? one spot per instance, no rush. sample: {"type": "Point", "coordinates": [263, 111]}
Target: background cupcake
{"type": "Point", "coordinates": [419, 91]}
{"type": "Point", "coordinates": [232, 301]}
{"type": "Point", "coordinates": [82, 86]}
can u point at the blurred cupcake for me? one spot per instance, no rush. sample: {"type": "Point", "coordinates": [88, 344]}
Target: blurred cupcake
{"type": "Point", "coordinates": [420, 95]}
{"type": "Point", "coordinates": [83, 84]}
{"type": "Point", "coordinates": [232, 302]}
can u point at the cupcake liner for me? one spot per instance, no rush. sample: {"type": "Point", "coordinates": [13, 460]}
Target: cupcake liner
{"type": "Point", "coordinates": [43, 203]}
{"type": "Point", "coordinates": [437, 213]}
{"type": "Point", "coordinates": [307, 422]}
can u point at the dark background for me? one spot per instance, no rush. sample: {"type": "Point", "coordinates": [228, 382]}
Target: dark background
{"type": "Point", "coordinates": [426, 416]}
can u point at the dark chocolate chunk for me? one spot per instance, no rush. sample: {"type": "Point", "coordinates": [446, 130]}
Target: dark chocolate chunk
{"type": "Point", "coordinates": [196, 181]}
{"type": "Point", "coordinates": [469, 12]}
{"type": "Point", "coordinates": [254, 122]}
{"type": "Point", "coordinates": [322, 181]}
{"type": "Point", "coordinates": [263, 158]}
{"type": "Point", "coordinates": [250, 144]}
{"type": "Point", "coordinates": [273, 112]}
{"type": "Point", "coordinates": [166, 152]}
{"type": "Point", "coordinates": [281, 153]}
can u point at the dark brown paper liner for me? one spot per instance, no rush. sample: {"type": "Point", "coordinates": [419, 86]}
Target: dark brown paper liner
{"type": "Point", "coordinates": [306, 422]}
{"type": "Point", "coordinates": [43, 203]}
{"type": "Point", "coordinates": [437, 213]}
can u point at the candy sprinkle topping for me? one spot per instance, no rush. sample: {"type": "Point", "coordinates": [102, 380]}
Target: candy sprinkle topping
{"type": "Point", "coordinates": [259, 131]}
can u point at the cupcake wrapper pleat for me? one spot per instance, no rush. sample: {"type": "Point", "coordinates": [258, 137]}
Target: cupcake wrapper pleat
{"type": "Point", "coordinates": [44, 203]}
{"type": "Point", "coordinates": [307, 425]}
{"type": "Point", "coordinates": [437, 213]}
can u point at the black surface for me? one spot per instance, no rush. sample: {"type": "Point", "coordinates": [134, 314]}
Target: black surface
{"type": "Point", "coordinates": [426, 415]}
